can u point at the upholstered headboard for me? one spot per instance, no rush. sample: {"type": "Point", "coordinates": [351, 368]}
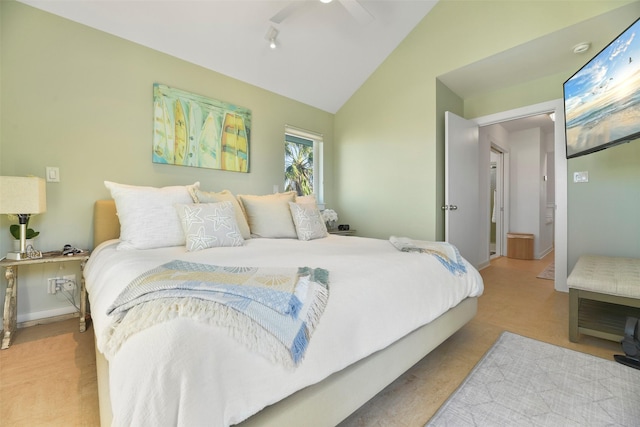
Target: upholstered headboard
{"type": "Point", "coordinates": [106, 225]}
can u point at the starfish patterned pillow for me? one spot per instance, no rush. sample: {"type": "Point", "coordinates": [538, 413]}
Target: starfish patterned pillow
{"type": "Point", "coordinates": [209, 225]}
{"type": "Point", "coordinates": [308, 221]}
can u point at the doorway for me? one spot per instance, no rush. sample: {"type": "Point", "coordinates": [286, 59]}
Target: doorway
{"type": "Point", "coordinates": [560, 174]}
{"type": "Point", "coordinates": [530, 140]}
{"type": "Point", "coordinates": [478, 247]}
{"type": "Point", "coordinates": [496, 186]}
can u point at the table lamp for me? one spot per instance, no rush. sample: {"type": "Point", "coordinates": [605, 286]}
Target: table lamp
{"type": "Point", "coordinates": [22, 196]}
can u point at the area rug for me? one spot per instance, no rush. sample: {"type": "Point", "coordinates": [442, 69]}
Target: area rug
{"type": "Point", "coordinates": [548, 273]}
{"type": "Point", "coordinates": [524, 382]}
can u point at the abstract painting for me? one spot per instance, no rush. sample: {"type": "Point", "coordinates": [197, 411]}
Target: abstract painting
{"type": "Point", "coordinates": [192, 130]}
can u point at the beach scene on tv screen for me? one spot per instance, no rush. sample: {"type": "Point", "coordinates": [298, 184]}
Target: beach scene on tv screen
{"type": "Point", "coordinates": [602, 100]}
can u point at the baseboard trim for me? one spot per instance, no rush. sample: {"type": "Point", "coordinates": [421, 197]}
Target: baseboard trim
{"type": "Point", "coordinates": [484, 265]}
{"type": "Point", "coordinates": [545, 252]}
{"type": "Point", "coordinates": [47, 316]}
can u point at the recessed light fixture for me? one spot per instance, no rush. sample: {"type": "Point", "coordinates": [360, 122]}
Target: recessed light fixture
{"type": "Point", "coordinates": [271, 36]}
{"type": "Point", "coordinates": [581, 47]}
{"type": "Point", "coordinates": [326, 1]}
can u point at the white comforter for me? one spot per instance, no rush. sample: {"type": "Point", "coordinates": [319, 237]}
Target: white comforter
{"type": "Point", "coordinates": [183, 372]}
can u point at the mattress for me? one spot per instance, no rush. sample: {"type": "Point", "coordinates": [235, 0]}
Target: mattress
{"type": "Point", "coordinates": [186, 372]}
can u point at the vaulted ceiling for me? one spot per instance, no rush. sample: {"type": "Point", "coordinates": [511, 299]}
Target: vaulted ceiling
{"type": "Point", "coordinates": [324, 52]}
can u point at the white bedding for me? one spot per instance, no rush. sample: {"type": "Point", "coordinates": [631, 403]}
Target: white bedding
{"type": "Point", "coordinates": [183, 372]}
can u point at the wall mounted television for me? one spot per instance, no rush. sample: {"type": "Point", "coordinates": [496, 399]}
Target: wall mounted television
{"type": "Point", "coordinates": [602, 99]}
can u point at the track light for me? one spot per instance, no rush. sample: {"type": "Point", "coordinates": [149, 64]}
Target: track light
{"type": "Point", "coordinates": [271, 35]}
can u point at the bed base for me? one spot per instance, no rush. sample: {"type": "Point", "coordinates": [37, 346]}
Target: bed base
{"type": "Point", "coordinates": [335, 398]}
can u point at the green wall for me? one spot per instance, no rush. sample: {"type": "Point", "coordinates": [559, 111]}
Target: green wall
{"type": "Point", "coordinates": [388, 144]}
{"type": "Point", "coordinates": [82, 100]}
{"type": "Point", "coordinates": [604, 213]}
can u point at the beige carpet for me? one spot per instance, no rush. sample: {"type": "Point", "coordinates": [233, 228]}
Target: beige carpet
{"type": "Point", "coordinates": [548, 273]}
{"type": "Point", "coordinates": [524, 382]}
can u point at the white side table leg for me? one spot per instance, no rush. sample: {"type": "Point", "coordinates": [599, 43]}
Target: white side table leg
{"type": "Point", "coordinates": [10, 318]}
{"type": "Point", "coordinates": [83, 300]}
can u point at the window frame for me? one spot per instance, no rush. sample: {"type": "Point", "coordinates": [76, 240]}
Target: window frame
{"type": "Point", "coordinates": [318, 156]}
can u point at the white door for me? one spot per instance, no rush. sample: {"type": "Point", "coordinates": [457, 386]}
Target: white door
{"type": "Point", "coordinates": [497, 209]}
{"type": "Point", "coordinates": [462, 185]}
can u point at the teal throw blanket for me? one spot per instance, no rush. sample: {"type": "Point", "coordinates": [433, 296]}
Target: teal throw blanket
{"type": "Point", "coordinates": [285, 302]}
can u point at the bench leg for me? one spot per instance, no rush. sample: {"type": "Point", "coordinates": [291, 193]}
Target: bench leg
{"type": "Point", "coordinates": [573, 314]}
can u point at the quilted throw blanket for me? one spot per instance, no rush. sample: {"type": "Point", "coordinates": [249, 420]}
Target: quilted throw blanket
{"type": "Point", "coordinates": [446, 253]}
{"type": "Point", "coordinates": [271, 310]}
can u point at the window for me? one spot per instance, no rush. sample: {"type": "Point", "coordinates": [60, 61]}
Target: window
{"type": "Point", "coordinates": [303, 162]}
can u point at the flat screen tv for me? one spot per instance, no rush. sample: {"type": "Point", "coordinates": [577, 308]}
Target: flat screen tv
{"type": "Point", "coordinates": [602, 99]}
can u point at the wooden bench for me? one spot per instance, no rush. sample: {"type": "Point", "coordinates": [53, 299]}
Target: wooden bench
{"type": "Point", "coordinates": [603, 291]}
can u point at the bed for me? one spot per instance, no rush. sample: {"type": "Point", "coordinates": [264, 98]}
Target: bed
{"type": "Point", "coordinates": [188, 372]}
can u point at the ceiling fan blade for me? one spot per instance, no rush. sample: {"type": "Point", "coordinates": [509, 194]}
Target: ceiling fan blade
{"type": "Point", "coordinates": [286, 11]}
{"type": "Point", "coordinates": [358, 11]}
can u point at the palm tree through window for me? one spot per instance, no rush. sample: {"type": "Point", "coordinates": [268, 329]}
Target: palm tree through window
{"type": "Point", "coordinates": [303, 158]}
{"type": "Point", "coordinates": [298, 165]}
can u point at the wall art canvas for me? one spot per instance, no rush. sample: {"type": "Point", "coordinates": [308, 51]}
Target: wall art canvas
{"type": "Point", "coordinates": [192, 130]}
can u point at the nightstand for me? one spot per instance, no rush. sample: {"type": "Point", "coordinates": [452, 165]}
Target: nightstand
{"type": "Point", "coordinates": [9, 321]}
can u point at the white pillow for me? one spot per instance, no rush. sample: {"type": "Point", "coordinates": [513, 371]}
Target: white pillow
{"type": "Point", "coordinates": [209, 225]}
{"type": "Point", "coordinates": [148, 218]}
{"type": "Point", "coordinates": [223, 196]}
{"type": "Point", "coordinates": [308, 221]}
{"type": "Point", "coordinates": [269, 216]}
{"type": "Point", "coordinates": [311, 198]}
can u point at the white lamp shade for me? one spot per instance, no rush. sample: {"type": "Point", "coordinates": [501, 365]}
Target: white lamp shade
{"type": "Point", "coordinates": [22, 195]}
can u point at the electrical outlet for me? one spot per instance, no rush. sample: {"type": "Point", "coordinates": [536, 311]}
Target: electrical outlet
{"type": "Point", "coordinates": [69, 283]}
{"type": "Point", "coordinates": [55, 284]}
{"type": "Point", "coordinates": [51, 285]}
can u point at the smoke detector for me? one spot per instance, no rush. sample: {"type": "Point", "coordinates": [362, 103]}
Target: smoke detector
{"type": "Point", "coordinates": [581, 48]}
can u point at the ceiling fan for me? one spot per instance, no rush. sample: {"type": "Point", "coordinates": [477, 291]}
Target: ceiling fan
{"type": "Point", "coordinates": [354, 7]}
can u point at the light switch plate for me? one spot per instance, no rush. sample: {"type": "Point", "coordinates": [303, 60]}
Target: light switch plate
{"type": "Point", "coordinates": [53, 174]}
{"type": "Point", "coordinates": [581, 176]}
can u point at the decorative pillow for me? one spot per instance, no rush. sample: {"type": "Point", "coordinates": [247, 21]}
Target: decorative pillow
{"type": "Point", "coordinates": [223, 196]}
{"type": "Point", "coordinates": [148, 218]}
{"type": "Point", "coordinates": [209, 225]}
{"type": "Point", "coordinates": [306, 199]}
{"type": "Point", "coordinates": [308, 221]}
{"type": "Point", "coordinates": [269, 216]}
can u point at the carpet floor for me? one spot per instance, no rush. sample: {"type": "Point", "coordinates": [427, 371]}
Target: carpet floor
{"type": "Point", "coordinates": [548, 273]}
{"type": "Point", "coordinates": [524, 382]}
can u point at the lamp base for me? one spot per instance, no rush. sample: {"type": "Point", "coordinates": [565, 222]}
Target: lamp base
{"type": "Point", "coordinates": [18, 256]}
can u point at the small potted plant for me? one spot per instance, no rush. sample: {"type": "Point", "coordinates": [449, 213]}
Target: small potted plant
{"type": "Point", "coordinates": [330, 217]}
{"type": "Point", "coordinates": [14, 229]}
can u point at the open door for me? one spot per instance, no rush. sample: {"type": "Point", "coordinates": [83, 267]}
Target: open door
{"type": "Point", "coordinates": [462, 186]}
